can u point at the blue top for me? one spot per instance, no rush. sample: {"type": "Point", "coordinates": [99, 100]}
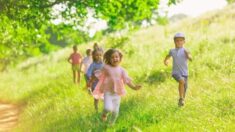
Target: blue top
{"type": "Point", "coordinates": [180, 65]}
{"type": "Point", "coordinates": [91, 71]}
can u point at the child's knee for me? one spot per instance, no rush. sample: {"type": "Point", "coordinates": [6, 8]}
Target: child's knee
{"type": "Point", "coordinates": [181, 81]}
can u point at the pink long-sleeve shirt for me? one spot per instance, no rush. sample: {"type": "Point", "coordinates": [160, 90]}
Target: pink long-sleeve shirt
{"type": "Point", "coordinates": [111, 79]}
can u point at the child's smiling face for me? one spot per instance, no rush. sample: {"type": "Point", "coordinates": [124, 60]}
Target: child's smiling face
{"type": "Point", "coordinates": [115, 59]}
{"type": "Point", "coordinates": [179, 42]}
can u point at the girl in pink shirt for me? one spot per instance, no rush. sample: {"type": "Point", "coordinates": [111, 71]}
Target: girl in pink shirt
{"type": "Point", "coordinates": [75, 60]}
{"type": "Point", "coordinates": [111, 84]}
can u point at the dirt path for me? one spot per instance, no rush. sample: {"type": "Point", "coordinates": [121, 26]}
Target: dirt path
{"type": "Point", "coordinates": [9, 114]}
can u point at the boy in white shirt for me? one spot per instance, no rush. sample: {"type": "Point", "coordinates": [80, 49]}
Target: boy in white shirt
{"type": "Point", "coordinates": [180, 66]}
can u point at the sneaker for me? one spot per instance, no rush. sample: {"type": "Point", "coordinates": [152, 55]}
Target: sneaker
{"type": "Point", "coordinates": [104, 117]}
{"type": "Point", "coordinates": [181, 102]}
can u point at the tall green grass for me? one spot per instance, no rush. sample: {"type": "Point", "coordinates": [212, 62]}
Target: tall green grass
{"type": "Point", "coordinates": [53, 103]}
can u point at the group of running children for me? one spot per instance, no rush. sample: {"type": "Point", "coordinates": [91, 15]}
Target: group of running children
{"type": "Point", "coordinates": [105, 78]}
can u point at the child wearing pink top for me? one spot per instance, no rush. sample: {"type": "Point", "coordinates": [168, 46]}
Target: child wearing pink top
{"type": "Point", "coordinates": [111, 84]}
{"type": "Point", "coordinates": [75, 60]}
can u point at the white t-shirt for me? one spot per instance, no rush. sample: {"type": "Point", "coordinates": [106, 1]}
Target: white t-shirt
{"type": "Point", "coordinates": [180, 65]}
{"type": "Point", "coordinates": [86, 62]}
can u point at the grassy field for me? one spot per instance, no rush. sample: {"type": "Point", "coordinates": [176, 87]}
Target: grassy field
{"type": "Point", "coordinates": [53, 103]}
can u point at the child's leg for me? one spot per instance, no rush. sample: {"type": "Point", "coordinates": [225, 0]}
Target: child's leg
{"type": "Point", "coordinates": [181, 88]}
{"type": "Point", "coordinates": [86, 79]}
{"type": "Point", "coordinates": [74, 76]}
{"type": "Point", "coordinates": [78, 76]}
{"type": "Point", "coordinates": [181, 93]}
{"type": "Point", "coordinates": [185, 85]}
{"type": "Point", "coordinates": [96, 101]}
{"type": "Point", "coordinates": [116, 104]}
{"type": "Point", "coordinates": [181, 81]}
{"type": "Point", "coordinates": [107, 105]}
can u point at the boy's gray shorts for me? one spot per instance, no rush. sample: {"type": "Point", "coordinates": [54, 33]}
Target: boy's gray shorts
{"type": "Point", "coordinates": [178, 77]}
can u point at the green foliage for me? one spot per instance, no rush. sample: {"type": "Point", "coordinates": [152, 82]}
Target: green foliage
{"type": "Point", "coordinates": [98, 35]}
{"type": "Point", "coordinates": [116, 42]}
{"type": "Point", "coordinates": [26, 28]}
{"type": "Point", "coordinates": [30, 13]}
{"type": "Point", "coordinates": [162, 20]}
{"type": "Point", "coordinates": [18, 42]}
{"type": "Point", "coordinates": [120, 12]}
{"type": "Point", "coordinates": [34, 13]}
{"type": "Point", "coordinates": [121, 42]}
{"type": "Point", "coordinates": [230, 1]}
{"type": "Point", "coordinates": [64, 35]}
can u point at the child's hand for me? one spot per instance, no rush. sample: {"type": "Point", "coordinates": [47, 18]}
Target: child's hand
{"type": "Point", "coordinates": [186, 52]}
{"type": "Point", "coordinates": [166, 62]}
{"type": "Point", "coordinates": [88, 85]}
{"type": "Point", "coordinates": [89, 91]}
{"type": "Point", "coordinates": [137, 87]}
{"type": "Point", "coordinates": [133, 86]}
{"type": "Point", "coordinates": [188, 55]}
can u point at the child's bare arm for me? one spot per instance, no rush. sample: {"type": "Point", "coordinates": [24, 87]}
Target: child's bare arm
{"type": "Point", "coordinates": [188, 55]}
{"type": "Point", "coordinates": [133, 86]}
{"type": "Point", "coordinates": [91, 81]}
{"type": "Point", "coordinates": [166, 60]}
{"type": "Point", "coordinates": [69, 60]}
{"type": "Point", "coordinates": [80, 67]}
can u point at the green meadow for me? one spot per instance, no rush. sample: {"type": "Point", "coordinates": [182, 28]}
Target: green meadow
{"type": "Point", "coordinates": [51, 102]}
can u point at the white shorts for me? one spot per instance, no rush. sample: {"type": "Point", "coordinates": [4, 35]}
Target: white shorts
{"type": "Point", "coordinates": [111, 102]}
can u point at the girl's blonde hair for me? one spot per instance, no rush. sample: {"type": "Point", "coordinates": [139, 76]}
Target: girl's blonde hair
{"type": "Point", "coordinates": [108, 54]}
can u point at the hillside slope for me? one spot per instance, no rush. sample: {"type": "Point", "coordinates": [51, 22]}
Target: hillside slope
{"type": "Point", "coordinates": [53, 103]}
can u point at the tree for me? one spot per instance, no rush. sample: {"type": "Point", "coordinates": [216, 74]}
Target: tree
{"type": "Point", "coordinates": [25, 23]}
{"type": "Point", "coordinates": [34, 13]}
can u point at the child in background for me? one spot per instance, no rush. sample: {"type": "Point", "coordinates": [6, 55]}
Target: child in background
{"type": "Point", "coordinates": [111, 84]}
{"type": "Point", "coordinates": [86, 62]}
{"type": "Point", "coordinates": [75, 60]}
{"type": "Point", "coordinates": [93, 72]}
{"type": "Point", "coordinates": [180, 66]}
{"type": "Point", "coordinates": [96, 46]}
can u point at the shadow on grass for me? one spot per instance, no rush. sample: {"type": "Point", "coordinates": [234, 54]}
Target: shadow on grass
{"type": "Point", "coordinates": [155, 77]}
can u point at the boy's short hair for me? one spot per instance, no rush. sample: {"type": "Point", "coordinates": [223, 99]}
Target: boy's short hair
{"type": "Point", "coordinates": [88, 51]}
{"type": "Point", "coordinates": [75, 47]}
{"type": "Point", "coordinates": [179, 35]}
